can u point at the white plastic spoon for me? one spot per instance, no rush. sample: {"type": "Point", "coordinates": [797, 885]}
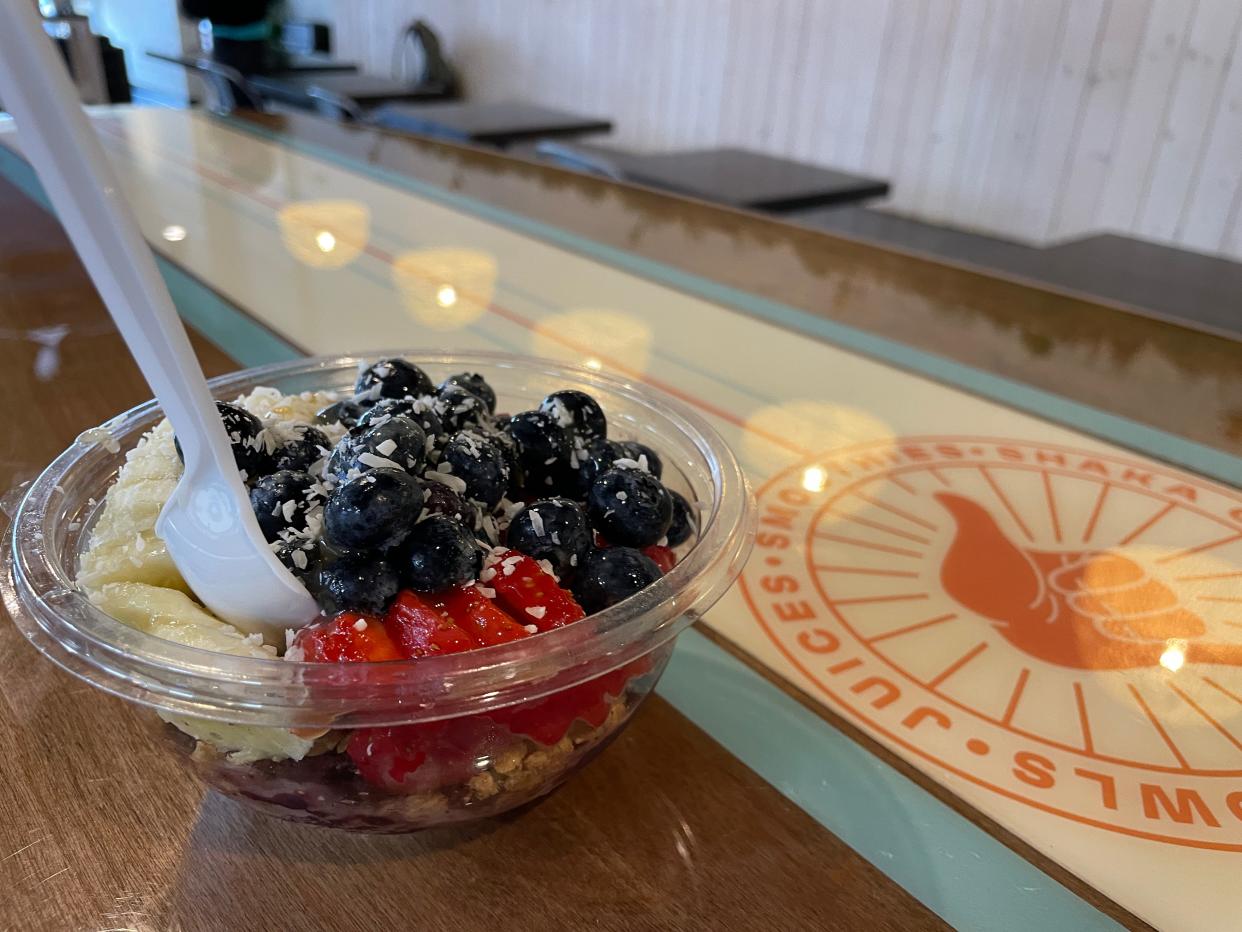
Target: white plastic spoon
{"type": "Point", "coordinates": [207, 525]}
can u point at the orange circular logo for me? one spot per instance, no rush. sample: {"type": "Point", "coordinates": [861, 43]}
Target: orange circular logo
{"type": "Point", "coordinates": [1060, 626]}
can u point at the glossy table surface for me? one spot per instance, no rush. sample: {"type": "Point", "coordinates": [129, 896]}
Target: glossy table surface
{"type": "Point", "coordinates": [753, 790]}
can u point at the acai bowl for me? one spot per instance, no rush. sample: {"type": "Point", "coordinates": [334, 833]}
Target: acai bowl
{"type": "Point", "coordinates": [422, 697]}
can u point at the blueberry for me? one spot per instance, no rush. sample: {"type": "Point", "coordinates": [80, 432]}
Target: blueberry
{"type": "Point", "coordinates": [373, 511]}
{"type": "Point", "coordinates": [683, 524]}
{"type": "Point", "coordinates": [439, 499]}
{"type": "Point", "coordinates": [630, 507]}
{"type": "Point", "coordinates": [397, 440]}
{"type": "Point", "coordinates": [608, 576]}
{"type": "Point", "coordinates": [543, 448]}
{"type": "Point", "coordinates": [304, 449]}
{"type": "Point", "coordinates": [423, 413]}
{"type": "Point", "coordinates": [632, 449]}
{"type": "Point", "coordinates": [384, 409]}
{"type": "Point", "coordinates": [356, 583]}
{"type": "Point", "coordinates": [243, 429]}
{"type": "Point", "coordinates": [597, 458]}
{"type": "Point", "coordinates": [459, 408]}
{"type": "Point", "coordinates": [479, 462]}
{"type": "Point", "coordinates": [439, 553]}
{"type": "Point", "coordinates": [578, 412]}
{"type": "Point", "coordinates": [391, 378]}
{"type": "Point", "coordinates": [475, 384]}
{"type": "Point", "coordinates": [281, 501]}
{"type": "Point", "coordinates": [345, 413]}
{"type": "Point", "coordinates": [554, 529]}
{"type": "Point", "coordinates": [300, 557]}
{"type": "Point", "coordinates": [509, 449]}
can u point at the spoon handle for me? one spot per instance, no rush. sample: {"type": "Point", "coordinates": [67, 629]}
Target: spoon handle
{"type": "Point", "coordinates": [58, 141]}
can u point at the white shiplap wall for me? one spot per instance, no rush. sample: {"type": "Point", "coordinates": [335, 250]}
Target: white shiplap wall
{"type": "Point", "coordinates": [1036, 119]}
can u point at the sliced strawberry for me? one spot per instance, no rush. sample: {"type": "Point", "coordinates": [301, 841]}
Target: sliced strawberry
{"type": "Point", "coordinates": [531, 595]}
{"type": "Point", "coordinates": [547, 720]}
{"type": "Point", "coordinates": [478, 615]}
{"type": "Point", "coordinates": [419, 628]}
{"type": "Point", "coordinates": [663, 557]}
{"type": "Point", "coordinates": [428, 756]}
{"type": "Point", "coordinates": [350, 637]}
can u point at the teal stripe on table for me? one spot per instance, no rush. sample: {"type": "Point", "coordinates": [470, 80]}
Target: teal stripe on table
{"type": "Point", "coordinates": [950, 865]}
{"type": "Point", "coordinates": [1047, 405]}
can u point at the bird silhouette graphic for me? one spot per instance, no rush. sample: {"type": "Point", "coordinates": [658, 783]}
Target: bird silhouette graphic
{"type": "Point", "coordinates": [1086, 609]}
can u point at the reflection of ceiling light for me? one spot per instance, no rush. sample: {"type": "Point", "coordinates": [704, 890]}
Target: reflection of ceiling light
{"type": "Point", "coordinates": [174, 233]}
{"type": "Point", "coordinates": [576, 336]}
{"type": "Point", "coordinates": [1174, 655]}
{"type": "Point", "coordinates": [446, 296]}
{"type": "Point", "coordinates": [445, 289]}
{"type": "Point", "coordinates": [328, 234]}
{"type": "Point", "coordinates": [814, 478]}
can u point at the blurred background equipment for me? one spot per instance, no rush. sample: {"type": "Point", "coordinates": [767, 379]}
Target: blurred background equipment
{"type": "Point", "coordinates": [95, 65]}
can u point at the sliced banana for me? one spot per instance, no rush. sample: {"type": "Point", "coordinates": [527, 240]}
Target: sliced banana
{"type": "Point", "coordinates": [174, 616]}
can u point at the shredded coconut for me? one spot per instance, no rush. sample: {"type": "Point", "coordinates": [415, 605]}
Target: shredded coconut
{"type": "Point", "coordinates": [487, 592]}
{"type": "Point", "coordinates": [561, 412]}
{"type": "Point", "coordinates": [289, 509]}
{"type": "Point", "coordinates": [536, 522]}
{"type": "Point", "coordinates": [622, 496]}
{"type": "Point", "coordinates": [536, 611]}
{"type": "Point", "coordinates": [360, 624]}
{"type": "Point", "coordinates": [386, 448]}
{"type": "Point", "coordinates": [101, 436]}
{"type": "Point", "coordinates": [531, 629]}
{"type": "Point", "coordinates": [456, 483]}
{"type": "Point", "coordinates": [376, 462]}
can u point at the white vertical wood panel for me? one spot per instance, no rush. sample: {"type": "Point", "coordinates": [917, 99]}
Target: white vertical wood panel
{"type": "Point", "coordinates": [890, 107]}
{"type": "Point", "coordinates": [1194, 99]}
{"type": "Point", "coordinates": [808, 97]}
{"type": "Point", "coordinates": [1163, 48]}
{"type": "Point", "coordinates": [1078, 199]}
{"type": "Point", "coordinates": [952, 110]}
{"type": "Point", "coordinates": [917, 132]}
{"type": "Point", "coordinates": [1218, 185]}
{"type": "Point", "coordinates": [1001, 205]}
{"type": "Point", "coordinates": [989, 92]}
{"type": "Point", "coordinates": [1035, 119]}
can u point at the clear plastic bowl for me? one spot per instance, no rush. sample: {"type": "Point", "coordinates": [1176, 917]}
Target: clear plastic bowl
{"type": "Point", "coordinates": [497, 727]}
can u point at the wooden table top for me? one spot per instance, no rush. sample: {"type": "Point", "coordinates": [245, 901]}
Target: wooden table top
{"type": "Point", "coordinates": [668, 829]}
